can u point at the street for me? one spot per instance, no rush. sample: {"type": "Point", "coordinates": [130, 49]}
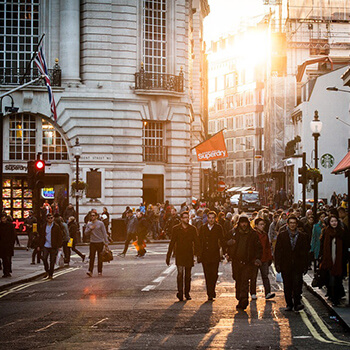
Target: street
{"type": "Point", "coordinates": [134, 306]}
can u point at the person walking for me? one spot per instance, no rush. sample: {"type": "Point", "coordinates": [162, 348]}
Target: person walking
{"type": "Point", "coordinates": [334, 249]}
{"type": "Point", "coordinates": [142, 230]}
{"type": "Point", "coordinates": [98, 239]}
{"type": "Point", "coordinates": [171, 222]}
{"type": "Point", "coordinates": [64, 228]}
{"type": "Point", "coordinates": [28, 223]}
{"type": "Point", "coordinates": [51, 239]}
{"type": "Point", "coordinates": [211, 238]}
{"type": "Point", "coordinates": [105, 218]}
{"type": "Point", "coordinates": [74, 234]}
{"type": "Point", "coordinates": [291, 259]}
{"type": "Point", "coordinates": [184, 241]}
{"type": "Point", "coordinates": [316, 237]}
{"type": "Point", "coordinates": [131, 229]}
{"type": "Point", "coordinates": [266, 261]}
{"type": "Point", "coordinates": [7, 243]}
{"type": "Point", "coordinates": [245, 252]}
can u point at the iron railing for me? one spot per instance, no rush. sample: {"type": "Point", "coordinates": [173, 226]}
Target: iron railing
{"type": "Point", "coordinates": [156, 154]}
{"type": "Point", "coordinates": [158, 81]}
{"type": "Point", "coordinates": [9, 76]}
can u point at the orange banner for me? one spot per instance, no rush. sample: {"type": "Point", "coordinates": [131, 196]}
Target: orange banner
{"type": "Point", "coordinates": [214, 148]}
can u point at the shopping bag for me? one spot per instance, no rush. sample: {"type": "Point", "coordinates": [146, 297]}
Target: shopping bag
{"type": "Point", "coordinates": [70, 243]}
{"type": "Point", "coordinates": [60, 259]}
{"type": "Point", "coordinates": [106, 254]}
{"type": "Point", "coordinates": [279, 277]}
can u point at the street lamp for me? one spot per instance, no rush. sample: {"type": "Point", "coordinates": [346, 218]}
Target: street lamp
{"type": "Point", "coordinates": [77, 153]}
{"type": "Point", "coordinates": [316, 127]}
{"type": "Point", "coordinates": [334, 88]}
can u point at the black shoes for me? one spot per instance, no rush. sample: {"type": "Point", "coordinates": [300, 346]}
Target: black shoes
{"type": "Point", "coordinates": [188, 297]}
{"type": "Point", "coordinates": [298, 307]}
{"type": "Point", "coordinates": [179, 296]}
{"type": "Point", "coordinates": [289, 308]}
{"type": "Point", "coordinates": [83, 257]}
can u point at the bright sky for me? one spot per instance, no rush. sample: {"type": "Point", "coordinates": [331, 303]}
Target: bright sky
{"type": "Point", "coordinates": [226, 15]}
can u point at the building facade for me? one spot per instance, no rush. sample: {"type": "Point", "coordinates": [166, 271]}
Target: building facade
{"type": "Point", "coordinates": [125, 91]}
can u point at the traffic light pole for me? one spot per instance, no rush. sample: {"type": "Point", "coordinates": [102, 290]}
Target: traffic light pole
{"type": "Point", "coordinates": [304, 187]}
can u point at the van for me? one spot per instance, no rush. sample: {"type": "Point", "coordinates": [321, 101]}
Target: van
{"type": "Point", "coordinates": [249, 201]}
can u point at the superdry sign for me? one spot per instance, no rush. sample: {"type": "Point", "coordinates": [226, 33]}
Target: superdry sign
{"type": "Point", "coordinates": [212, 149]}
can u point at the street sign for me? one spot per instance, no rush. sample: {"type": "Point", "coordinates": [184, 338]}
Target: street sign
{"type": "Point", "coordinates": [221, 186]}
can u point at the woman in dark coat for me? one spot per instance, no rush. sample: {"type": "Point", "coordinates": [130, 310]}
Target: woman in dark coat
{"type": "Point", "coordinates": [333, 258]}
{"type": "Point", "coordinates": [7, 242]}
{"type": "Point", "coordinates": [74, 233]}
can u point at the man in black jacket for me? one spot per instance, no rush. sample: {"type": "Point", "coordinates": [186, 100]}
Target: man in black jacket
{"type": "Point", "coordinates": [185, 242]}
{"type": "Point", "coordinates": [291, 259]}
{"type": "Point", "coordinates": [211, 237]}
{"type": "Point", "coordinates": [7, 242]}
{"type": "Point", "coordinates": [245, 251]}
{"type": "Point", "coordinates": [51, 239]}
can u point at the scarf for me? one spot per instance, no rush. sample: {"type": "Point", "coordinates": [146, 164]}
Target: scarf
{"type": "Point", "coordinates": [327, 261]}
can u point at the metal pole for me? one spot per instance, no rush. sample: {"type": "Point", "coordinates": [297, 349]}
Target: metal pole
{"type": "Point", "coordinates": [348, 228]}
{"type": "Point", "coordinates": [304, 188]}
{"type": "Point", "coordinates": [316, 135]}
{"type": "Point", "coordinates": [76, 190]}
{"type": "Point", "coordinates": [254, 167]}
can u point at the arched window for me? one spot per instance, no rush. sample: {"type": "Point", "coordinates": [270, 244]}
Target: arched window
{"type": "Point", "coordinates": [29, 134]}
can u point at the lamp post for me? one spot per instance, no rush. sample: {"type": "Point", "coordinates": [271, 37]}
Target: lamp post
{"type": "Point", "coordinates": [316, 127]}
{"type": "Point", "coordinates": [77, 153]}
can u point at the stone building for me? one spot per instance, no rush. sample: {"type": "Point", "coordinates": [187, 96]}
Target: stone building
{"type": "Point", "coordinates": [126, 90]}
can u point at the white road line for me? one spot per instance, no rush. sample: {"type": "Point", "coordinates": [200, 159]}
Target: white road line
{"type": "Point", "coordinates": [148, 288]}
{"type": "Point", "coordinates": [169, 270]}
{"type": "Point", "coordinates": [48, 326]}
{"type": "Point", "coordinates": [100, 321]}
{"type": "Point", "coordinates": [159, 279]}
{"type": "Point", "coordinates": [202, 274]}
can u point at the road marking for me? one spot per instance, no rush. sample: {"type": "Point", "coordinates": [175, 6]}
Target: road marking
{"type": "Point", "coordinates": [48, 326]}
{"type": "Point", "coordinates": [148, 288]}
{"type": "Point", "coordinates": [321, 324]}
{"type": "Point", "coordinates": [100, 321]}
{"type": "Point", "coordinates": [160, 279]}
{"type": "Point", "coordinates": [202, 274]}
{"type": "Point", "coordinates": [169, 270]}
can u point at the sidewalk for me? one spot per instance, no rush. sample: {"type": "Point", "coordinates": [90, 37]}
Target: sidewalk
{"type": "Point", "coordinates": [341, 312]}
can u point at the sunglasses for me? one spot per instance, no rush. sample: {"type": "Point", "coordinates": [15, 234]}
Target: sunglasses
{"type": "Point", "coordinates": [50, 217]}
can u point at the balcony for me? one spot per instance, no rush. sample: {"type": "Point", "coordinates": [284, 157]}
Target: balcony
{"type": "Point", "coordinates": [155, 154]}
{"type": "Point", "coordinates": [159, 82]}
{"type": "Point", "coordinates": [9, 76]}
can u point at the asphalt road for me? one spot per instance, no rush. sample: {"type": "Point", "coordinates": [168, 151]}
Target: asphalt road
{"type": "Point", "coordinates": [133, 306]}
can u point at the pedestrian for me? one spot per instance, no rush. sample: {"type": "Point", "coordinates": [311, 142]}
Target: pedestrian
{"type": "Point", "coordinates": [211, 238]}
{"type": "Point", "coordinates": [69, 211]}
{"type": "Point", "coordinates": [172, 221]}
{"type": "Point", "coordinates": [184, 241]}
{"type": "Point", "coordinates": [273, 232]}
{"type": "Point", "coordinates": [291, 259]}
{"type": "Point", "coordinates": [334, 258]}
{"type": "Point", "coordinates": [266, 261]}
{"type": "Point", "coordinates": [198, 220]}
{"type": "Point", "coordinates": [28, 223]}
{"type": "Point", "coordinates": [105, 218]}
{"type": "Point", "coordinates": [141, 229]}
{"type": "Point", "coordinates": [74, 234]}
{"type": "Point", "coordinates": [245, 251]}
{"type": "Point", "coordinates": [98, 240]}
{"type": "Point", "coordinates": [7, 243]}
{"type": "Point", "coordinates": [51, 239]}
{"type": "Point", "coordinates": [65, 231]}
{"type": "Point", "coordinates": [131, 229]}
{"type": "Point", "coordinates": [316, 237]}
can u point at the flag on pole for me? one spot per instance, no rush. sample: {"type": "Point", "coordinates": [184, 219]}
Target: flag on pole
{"type": "Point", "coordinates": [41, 64]}
{"type": "Point", "coordinates": [213, 148]}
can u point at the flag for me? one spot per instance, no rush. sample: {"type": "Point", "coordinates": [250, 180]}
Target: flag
{"type": "Point", "coordinates": [41, 64]}
{"type": "Point", "coordinates": [213, 148]}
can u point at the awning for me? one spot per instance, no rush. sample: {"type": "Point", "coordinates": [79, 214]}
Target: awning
{"type": "Point", "coordinates": [238, 189]}
{"type": "Point", "coordinates": [233, 189]}
{"type": "Point", "coordinates": [343, 165]}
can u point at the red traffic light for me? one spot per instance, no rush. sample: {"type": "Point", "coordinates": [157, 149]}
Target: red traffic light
{"type": "Point", "coordinates": [39, 164]}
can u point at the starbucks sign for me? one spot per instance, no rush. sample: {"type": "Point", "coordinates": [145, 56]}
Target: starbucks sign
{"type": "Point", "coordinates": [327, 160]}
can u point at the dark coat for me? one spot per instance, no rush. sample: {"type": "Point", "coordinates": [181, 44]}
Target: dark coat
{"type": "Point", "coordinates": [73, 230]}
{"type": "Point", "coordinates": [185, 243]}
{"type": "Point", "coordinates": [7, 239]}
{"type": "Point", "coordinates": [210, 242]}
{"type": "Point", "coordinates": [253, 248]}
{"type": "Point", "coordinates": [57, 236]}
{"type": "Point", "coordinates": [288, 260]}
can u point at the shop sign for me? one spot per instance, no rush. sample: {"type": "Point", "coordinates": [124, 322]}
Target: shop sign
{"type": "Point", "coordinates": [18, 168]}
{"type": "Point", "coordinates": [327, 160]}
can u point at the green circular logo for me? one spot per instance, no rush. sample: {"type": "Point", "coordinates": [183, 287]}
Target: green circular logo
{"type": "Point", "coordinates": [327, 160]}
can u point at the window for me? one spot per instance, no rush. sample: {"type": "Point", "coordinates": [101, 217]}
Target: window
{"type": "Point", "coordinates": [19, 35]}
{"type": "Point", "coordinates": [211, 126]}
{"type": "Point", "coordinates": [25, 140]}
{"type": "Point", "coordinates": [229, 102]}
{"type": "Point", "coordinates": [249, 120]}
{"type": "Point", "coordinates": [239, 100]}
{"type": "Point", "coordinates": [230, 123]}
{"type": "Point", "coordinates": [54, 147]}
{"type": "Point", "coordinates": [239, 144]}
{"type": "Point", "coordinates": [220, 104]}
{"type": "Point", "coordinates": [249, 98]}
{"type": "Point", "coordinates": [248, 168]}
{"type": "Point", "coordinates": [229, 145]}
{"type": "Point", "coordinates": [22, 137]}
{"type": "Point", "coordinates": [229, 80]}
{"type": "Point", "coordinates": [230, 168]}
{"type": "Point", "coordinates": [239, 121]}
{"type": "Point", "coordinates": [154, 36]}
{"type": "Point", "coordinates": [249, 142]}
{"type": "Point", "coordinates": [239, 168]}
{"type": "Point", "coordinates": [153, 142]}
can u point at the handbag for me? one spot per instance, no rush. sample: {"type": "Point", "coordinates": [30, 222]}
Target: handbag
{"type": "Point", "coordinates": [320, 279]}
{"type": "Point", "coordinates": [106, 254]}
{"type": "Point", "coordinates": [279, 278]}
{"type": "Point", "coordinates": [70, 243]}
{"type": "Point", "coordinates": [60, 259]}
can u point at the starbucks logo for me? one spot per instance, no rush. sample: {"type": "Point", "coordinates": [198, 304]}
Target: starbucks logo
{"type": "Point", "coordinates": [327, 160]}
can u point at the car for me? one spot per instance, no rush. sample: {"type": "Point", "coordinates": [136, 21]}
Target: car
{"type": "Point", "coordinates": [249, 201]}
{"type": "Point", "coordinates": [234, 200]}
{"type": "Point", "coordinates": [310, 201]}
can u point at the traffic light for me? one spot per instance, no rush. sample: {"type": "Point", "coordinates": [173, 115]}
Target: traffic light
{"type": "Point", "coordinates": [36, 173]}
{"type": "Point", "coordinates": [215, 180]}
{"type": "Point", "coordinates": [302, 179]}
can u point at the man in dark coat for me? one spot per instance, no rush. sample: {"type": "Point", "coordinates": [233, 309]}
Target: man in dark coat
{"type": "Point", "coordinates": [171, 222]}
{"type": "Point", "coordinates": [141, 229]}
{"type": "Point", "coordinates": [211, 237]}
{"type": "Point", "coordinates": [291, 259]}
{"type": "Point", "coordinates": [7, 242]}
{"type": "Point", "coordinates": [184, 240]}
{"type": "Point", "coordinates": [245, 251]}
{"type": "Point", "coordinates": [51, 239]}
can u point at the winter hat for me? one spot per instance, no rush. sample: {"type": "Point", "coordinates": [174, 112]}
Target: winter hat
{"type": "Point", "coordinates": [243, 217]}
{"type": "Point", "coordinates": [229, 216]}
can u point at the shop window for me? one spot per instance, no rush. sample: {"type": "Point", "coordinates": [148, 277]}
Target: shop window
{"type": "Point", "coordinates": [54, 147]}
